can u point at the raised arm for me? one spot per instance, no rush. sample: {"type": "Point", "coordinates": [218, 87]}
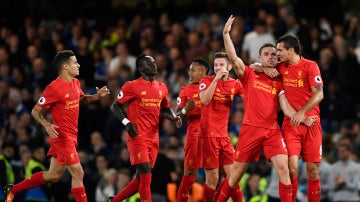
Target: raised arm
{"type": "Point", "coordinates": [206, 95]}
{"type": "Point", "coordinates": [237, 63]}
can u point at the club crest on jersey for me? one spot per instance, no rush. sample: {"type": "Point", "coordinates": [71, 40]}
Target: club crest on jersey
{"type": "Point", "coordinates": [202, 86]}
{"type": "Point", "coordinates": [42, 100]}
{"type": "Point", "coordinates": [120, 95]}
{"type": "Point", "coordinates": [318, 79]}
{"type": "Point", "coordinates": [178, 100]}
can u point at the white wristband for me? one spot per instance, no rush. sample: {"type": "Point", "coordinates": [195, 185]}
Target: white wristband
{"type": "Point", "coordinates": [125, 121]}
{"type": "Point", "coordinates": [281, 92]}
{"type": "Point", "coordinates": [183, 111]}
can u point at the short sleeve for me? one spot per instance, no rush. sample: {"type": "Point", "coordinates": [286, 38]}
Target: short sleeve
{"type": "Point", "coordinates": [48, 98]}
{"type": "Point", "coordinates": [126, 93]}
{"type": "Point", "coordinates": [314, 75]}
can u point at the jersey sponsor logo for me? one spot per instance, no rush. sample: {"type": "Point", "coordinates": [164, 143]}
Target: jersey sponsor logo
{"type": "Point", "coordinates": [318, 79]}
{"type": "Point", "coordinates": [160, 93]}
{"type": "Point", "coordinates": [120, 95]}
{"type": "Point", "coordinates": [143, 93]}
{"type": "Point", "coordinates": [67, 95]}
{"type": "Point", "coordinates": [42, 100]}
{"type": "Point", "coordinates": [202, 86]}
{"type": "Point", "coordinates": [178, 100]}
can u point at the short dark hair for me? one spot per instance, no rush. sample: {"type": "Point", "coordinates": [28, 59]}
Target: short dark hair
{"type": "Point", "coordinates": [265, 46]}
{"type": "Point", "coordinates": [221, 55]}
{"type": "Point", "coordinates": [62, 57]}
{"type": "Point", "coordinates": [202, 62]}
{"type": "Point", "coordinates": [139, 60]}
{"type": "Point", "coordinates": [290, 41]}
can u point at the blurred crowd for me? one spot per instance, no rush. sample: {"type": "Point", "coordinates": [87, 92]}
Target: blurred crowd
{"type": "Point", "coordinates": [108, 35]}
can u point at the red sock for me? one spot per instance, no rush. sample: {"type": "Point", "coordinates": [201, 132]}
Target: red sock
{"type": "Point", "coordinates": [224, 192]}
{"type": "Point", "coordinates": [294, 185]}
{"type": "Point", "coordinates": [36, 180]}
{"type": "Point", "coordinates": [313, 190]}
{"type": "Point", "coordinates": [218, 189]}
{"type": "Point", "coordinates": [79, 194]}
{"type": "Point", "coordinates": [131, 188]}
{"type": "Point", "coordinates": [144, 187]}
{"type": "Point", "coordinates": [285, 192]}
{"type": "Point", "coordinates": [184, 189]}
{"type": "Point", "coordinates": [209, 194]}
{"type": "Point", "coordinates": [236, 193]}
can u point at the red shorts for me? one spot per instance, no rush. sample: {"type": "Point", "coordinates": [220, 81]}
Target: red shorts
{"type": "Point", "coordinates": [253, 140]}
{"type": "Point", "coordinates": [64, 152]}
{"type": "Point", "coordinates": [192, 155]}
{"type": "Point", "coordinates": [215, 152]}
{"type": "Point", "coordinates": [304, 141]}
{"type": "Point", "coordinates": [142, 151]}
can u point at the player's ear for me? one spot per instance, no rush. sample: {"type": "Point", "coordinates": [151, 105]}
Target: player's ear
{"type": "Point", "coordinates": [65, 66]}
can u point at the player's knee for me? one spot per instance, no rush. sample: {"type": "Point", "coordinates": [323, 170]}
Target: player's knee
{"type": "Point", "coordinates": [213, 179]}
{"type": "Point", "coordinates": [283, 170]}
{"type": "Point", "coordinates": [293, 171]}
{"type": "Point", "coordinates": [53, 177]}
{"type": "Point", "coordinates": [190, 172]}
{"type": "Point", "coordinates": [78, 174]}
{"type": "Point", "coordinates": [312, 171]}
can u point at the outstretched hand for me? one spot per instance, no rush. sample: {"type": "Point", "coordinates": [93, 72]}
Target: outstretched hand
{"type": "Point", "coordinates": [228, 24]}
{"type": "Point", "coordinates": [131, 129]}
{"type": "Point", "coordinates": [102, 91]}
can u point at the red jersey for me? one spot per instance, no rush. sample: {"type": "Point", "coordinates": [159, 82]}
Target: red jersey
{"type": "Point", "coordinates": [215, 115]}
{"type": "Point", "coordinates": [187, 93]}
{"type": "Point", "coordinates": [145, 100]}
{"type": "Point", "coordinates": [62, 99]}
{"type": "Point", "coordinates": [260, 99]}
{"type": "Point", "coordinates": [298, 80]}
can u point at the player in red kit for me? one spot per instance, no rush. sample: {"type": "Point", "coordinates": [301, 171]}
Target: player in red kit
{"type": "Point", "coordinates": [304, 90]}
{"type": "Point", "coordinates": [62, 98]}
{"type": "Point", "coordinates": [145, 99]}
{"type": "Point", "coordinates": [260, 131]}
{"type": "Point", "coordinates": [217, 93]}
{"type": "Point", "coordinates": [189, 102]}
